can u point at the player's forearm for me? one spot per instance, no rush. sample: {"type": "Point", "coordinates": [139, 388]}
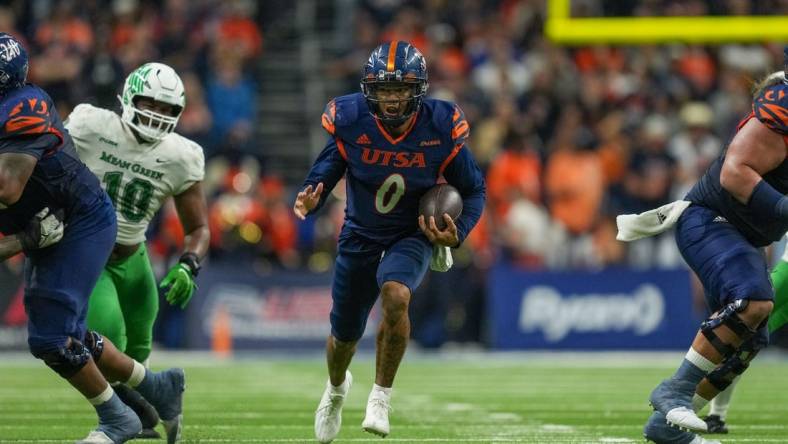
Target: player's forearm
{"type": "Point", "coordinates": [472, 208]}
{"type": "Point", "coordinates": [197, 241]}
{"type": "Point", "coordinates": [10, 246]}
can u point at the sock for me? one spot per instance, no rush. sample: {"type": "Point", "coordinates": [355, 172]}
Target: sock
{"type": "Point", "coordinates": [698, 402]}
{"type": "Point", "coordinates": [109, 410]}
{"type": "Point", "coordinates": [694, 367]}
{"type": "Point", "coordinates": [137, 375]}
{"type": "Point", "coordinates": [384, 390]}
{"type": "Point", "coordinates": [721, 402]}
{"type": "Point", "coordinates": [102, 397]}
{"type": "Point", "coordinates": [339, 389]}
{"type": "Point", "coordinates": [149, 386]}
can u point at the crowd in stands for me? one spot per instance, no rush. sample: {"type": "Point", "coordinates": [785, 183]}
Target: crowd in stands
{"type": "Point", "coordinates": [571, 136]}
{"type": "Point", "coordinates": [568, 137]}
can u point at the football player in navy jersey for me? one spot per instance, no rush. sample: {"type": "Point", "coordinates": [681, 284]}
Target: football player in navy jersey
{"type": "Point", "coordinates": [42, 182]}
{"type": "Point", "coordinates": [392, 145]}
{"type": "Point", "coordinates": [737, 207]}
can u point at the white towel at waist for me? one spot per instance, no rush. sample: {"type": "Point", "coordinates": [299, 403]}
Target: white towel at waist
{"type": "Point", "coordinates": [637, 226]}
{"type": "Point", "coordinates": [441, 258]}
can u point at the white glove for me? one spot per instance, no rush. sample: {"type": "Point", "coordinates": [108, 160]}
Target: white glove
{"type": "Point", "coordinates": [46, 228]}
{"type": "Point", "coordinates": [441, 258]}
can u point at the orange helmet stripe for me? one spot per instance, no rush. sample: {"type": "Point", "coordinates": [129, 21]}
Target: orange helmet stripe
{"type": "Point", "coordinates": [392, 55]}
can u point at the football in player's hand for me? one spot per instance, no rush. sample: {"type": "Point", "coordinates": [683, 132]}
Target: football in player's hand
{"type": "Point", "coordinates": [440, 199]}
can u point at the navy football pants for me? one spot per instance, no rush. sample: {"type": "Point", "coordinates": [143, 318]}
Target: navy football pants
{"type": "Point", "coordinates": [60, 278]}
{"type": "Point", "coordinates": [358, 278]}
{"type": "Point", "coordinates": [729, 266]}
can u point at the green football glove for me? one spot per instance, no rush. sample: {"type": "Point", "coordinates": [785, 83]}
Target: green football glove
{"type": "Point", "coordinates": [179, 284]}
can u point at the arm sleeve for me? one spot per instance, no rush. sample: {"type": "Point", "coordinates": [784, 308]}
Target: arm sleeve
{"type": "Point", "coordinates": [328, 168]}
{"type": "Point", "coordinates": [463, 173]}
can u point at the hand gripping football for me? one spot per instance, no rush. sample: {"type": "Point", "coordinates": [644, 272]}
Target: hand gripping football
{"type": "Point", "coordinates": [440, 199]}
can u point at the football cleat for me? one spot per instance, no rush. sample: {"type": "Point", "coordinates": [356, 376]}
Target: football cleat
{"type": "Point", "coordinates": [328, 416]}
{"type": "Point", "coordinates": [658, 431]}
{"type": "Point", "coordinates": [117, 424]}
{"type": "Point", "coordinates": [716, 424]}
{"type": "Point", "coordinates": [376, 421]}
{"type": "Point", "coordinates": [168, 402]}
{"type": "Point", "coordinates": [686, 419]}
{"type": "Point", "coordinates": [96, 437]}
{"type": "Point", "coordinates": [142, 408]}
{"type": "Point", "coordinates": [673, 398]}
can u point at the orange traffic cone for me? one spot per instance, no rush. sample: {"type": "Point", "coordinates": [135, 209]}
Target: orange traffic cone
{"type": "Point", "coordinates": [222, 335]}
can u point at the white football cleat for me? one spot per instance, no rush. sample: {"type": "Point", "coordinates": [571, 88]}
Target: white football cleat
{"type": "Point", "coordinates": [686, 419]}
{"type": "Point", "coordinates": [701, 440]}
{"type": "Point", "coordinates": [328, 417]}
{"type": "Point", "coordinates": [376, 421]}
{"type": "Point", "coordinates": [96, 437]}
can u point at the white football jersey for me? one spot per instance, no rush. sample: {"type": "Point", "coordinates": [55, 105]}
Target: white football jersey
{"type": "Point", "coordinates": [138, 177]}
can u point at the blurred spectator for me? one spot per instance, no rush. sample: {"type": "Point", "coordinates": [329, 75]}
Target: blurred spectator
{"type": "Point", "coordinates": [196, 120]}
{"type": "Point", "coordinates": [230, 96]}
{"type": "Point", "coordinates": [574, 179]}
{"type": "Point", "coordinates": [695, 147]}
{"type": "Point", "coordinates": [515, 174]}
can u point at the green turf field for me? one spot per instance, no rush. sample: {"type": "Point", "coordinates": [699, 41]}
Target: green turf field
{"type": "Point", "coordinates": [471, 398]}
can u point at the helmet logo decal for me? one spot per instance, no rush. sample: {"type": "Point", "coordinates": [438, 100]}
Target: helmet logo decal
{"type": "Point", "coordinates": [9, 50]}
{"type": "Point", "coordinates": [138, 81]}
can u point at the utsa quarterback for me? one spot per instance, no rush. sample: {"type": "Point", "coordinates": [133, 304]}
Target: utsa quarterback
{"type": "Point", "coordinates": [41, 181]}
{"type": "Point", "coordinates": [141, 162]}
{"type": "Point", "coordinates": [392, 145]}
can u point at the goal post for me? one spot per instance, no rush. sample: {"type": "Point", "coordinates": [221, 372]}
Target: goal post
{"type": "Point", "coordinates": [562, 28]}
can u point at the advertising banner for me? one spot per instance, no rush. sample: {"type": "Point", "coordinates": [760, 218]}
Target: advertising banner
{"type": "Point", "coordinates": [612, 309]}
{"type": "Point", "coordinates": [281, 309]}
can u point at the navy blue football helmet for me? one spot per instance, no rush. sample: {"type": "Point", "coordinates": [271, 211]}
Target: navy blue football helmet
{"type": "Point", "coordinates": [394, 65]}
{"type": "Point", "coordinates": [13, 63]}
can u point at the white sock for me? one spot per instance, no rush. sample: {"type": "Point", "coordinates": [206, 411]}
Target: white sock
{"type": "Point", "coordinates": [137, 375]}
{"type": "Point", "coordinates": [341, 388]}
{"type": "Point", "coordinates": [721, 402]}
{"type": "Point", "coordinates": [698, 402]}
{"type": "Point", "coordinates": [384, 390]}
{"type": "Point", "coordinates": [103, 396]}
{"type": "Point", "coordinates": [699, 360]}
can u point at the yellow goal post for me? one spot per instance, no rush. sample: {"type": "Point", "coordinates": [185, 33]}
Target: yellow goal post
{"type": "Point", "coordinates": [562, 28]}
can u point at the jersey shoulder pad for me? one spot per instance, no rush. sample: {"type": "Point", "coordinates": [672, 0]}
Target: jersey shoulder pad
{"type": "Point", "coordinates": [86, 119]}
{"type": "Point", "coordinates": [771, 108]}
{"type": "Point", "coordinates": [449, 119]}
{"type": "Point", "coordinates": [190, 157]}
{"type": "Point", "coordinates": [27, 111]}
{"type": "Point", "coordinates": [340, 112]}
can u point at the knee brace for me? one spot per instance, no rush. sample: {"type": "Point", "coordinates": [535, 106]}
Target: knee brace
{"type": "Point", "coordinates": [722, 376]}
{"type": "Point", "coordinates": [67, 360]}
{"type": "Point", "coordinates": [729, 317]}
{"type": "Point", "coordinates": [95, 343]}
